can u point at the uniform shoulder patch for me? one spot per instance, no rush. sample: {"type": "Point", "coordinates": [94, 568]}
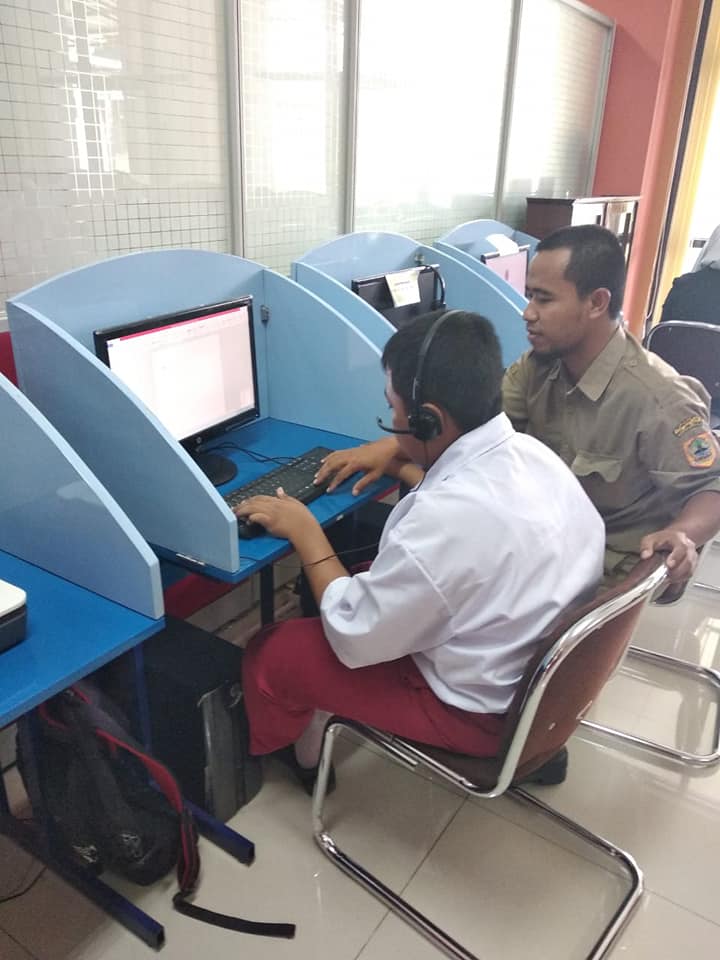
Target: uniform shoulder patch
{"type": "Point", "coordinates": [687, 424]}
{"type": "Point", "coordinates": [700, 450]}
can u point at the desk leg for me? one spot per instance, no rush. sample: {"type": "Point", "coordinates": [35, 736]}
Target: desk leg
{"type": "Point", "coordinates": [267, 595]}
{"type": "Point", "coordinates": [222, 836]}
{"type": "Point", "coordinates": [141, 697]}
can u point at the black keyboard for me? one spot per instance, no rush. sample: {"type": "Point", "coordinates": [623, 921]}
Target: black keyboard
{"type": "Point", "coordinates": [296, 479]}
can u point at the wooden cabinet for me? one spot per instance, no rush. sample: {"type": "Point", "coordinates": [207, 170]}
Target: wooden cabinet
{"type": "Point", "coordinates": [545, 214]}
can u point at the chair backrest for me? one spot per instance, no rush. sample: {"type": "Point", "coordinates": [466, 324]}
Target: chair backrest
{"type": "Point", "coordinates": [692, 348]}
{"type": "Point", "coordinates": [7, 360]}
{"type": "Point", "coordinates": [575, 658]}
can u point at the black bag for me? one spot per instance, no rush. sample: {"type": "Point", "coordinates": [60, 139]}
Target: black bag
{"type": "Point", "coordinates": [96, 784]}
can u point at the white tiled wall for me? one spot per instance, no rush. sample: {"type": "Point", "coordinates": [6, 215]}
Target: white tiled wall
{"type": "Point", "coordinates": [113, 132]}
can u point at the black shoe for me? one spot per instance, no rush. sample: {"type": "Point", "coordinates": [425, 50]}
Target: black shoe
{"type": "Point", "coordinates": [306, 776]}
{"type": "Point", "coordinates": [553, 771]}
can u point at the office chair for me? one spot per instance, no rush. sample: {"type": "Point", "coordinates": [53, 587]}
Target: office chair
{"type": "Point", "coordinates": [576, 656]}
{"type": "Point", "coordinates": [694, 350]}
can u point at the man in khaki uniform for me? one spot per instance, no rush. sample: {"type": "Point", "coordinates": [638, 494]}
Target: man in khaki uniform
{"type": "Point", "coordinates": [632, 430]}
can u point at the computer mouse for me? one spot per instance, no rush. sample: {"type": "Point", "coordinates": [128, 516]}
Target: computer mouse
{"type": "Point", "coordinates": [247, 529]}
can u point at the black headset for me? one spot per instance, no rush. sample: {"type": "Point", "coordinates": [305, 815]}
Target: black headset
{"type": "Point", "coordinates": [424, 424]}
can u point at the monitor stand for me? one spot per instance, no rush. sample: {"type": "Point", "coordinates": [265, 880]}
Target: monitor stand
{"type": "Point", "coordinates": [217, 469]}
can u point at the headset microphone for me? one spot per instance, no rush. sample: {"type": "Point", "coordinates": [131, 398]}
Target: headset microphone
{"type": "Point", "coordinates": [390, 429]}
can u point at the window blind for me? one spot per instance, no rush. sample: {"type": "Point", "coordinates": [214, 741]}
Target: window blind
{"type": "Point", "coordinates": [559, 91]}
{"type": "Point", "coordinates": [430, 101]}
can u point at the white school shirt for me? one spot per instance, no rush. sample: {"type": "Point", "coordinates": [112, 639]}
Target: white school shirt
{"type": "Point", "coordinates": [473, 563]}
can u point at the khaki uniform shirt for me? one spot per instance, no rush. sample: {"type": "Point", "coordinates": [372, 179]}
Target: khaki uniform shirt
{"type": "Point", "coordinates": [632, 430]}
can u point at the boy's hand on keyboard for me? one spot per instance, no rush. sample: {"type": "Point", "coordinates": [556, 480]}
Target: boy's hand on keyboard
{"type": "Point", "coordinates": [282, 516]}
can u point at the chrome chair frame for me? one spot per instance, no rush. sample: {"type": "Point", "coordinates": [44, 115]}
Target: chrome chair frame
{"type": "Point", "coordinates": [411, 755]}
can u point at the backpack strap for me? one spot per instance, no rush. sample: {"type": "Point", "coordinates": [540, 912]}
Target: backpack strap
{"type": "Point", "coordinates": [284, 930]}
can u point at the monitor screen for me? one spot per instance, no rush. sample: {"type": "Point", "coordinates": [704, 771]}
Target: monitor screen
{"type": "Point", "coordinates": [195, 370]}
{"type": "Point", "coordinates": [512, 267]}
{"type": "Point", "coordinates": [376, 292]}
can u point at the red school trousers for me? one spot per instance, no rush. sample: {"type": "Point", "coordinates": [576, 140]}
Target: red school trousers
{"type": "Point", "coordinates": [290, 670]}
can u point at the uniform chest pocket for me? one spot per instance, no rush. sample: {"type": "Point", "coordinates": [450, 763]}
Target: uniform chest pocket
{"type": "Point", "coordinates": [612, 483]}
{"type": "Point", "coordinates": [596, 466]}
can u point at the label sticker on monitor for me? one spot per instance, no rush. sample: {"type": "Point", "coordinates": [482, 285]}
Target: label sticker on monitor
{"type": "Point", "coordinates": [404, 286]}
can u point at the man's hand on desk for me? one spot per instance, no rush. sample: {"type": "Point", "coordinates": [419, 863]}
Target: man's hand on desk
{"type": "Point", "coordinates": [282, 516]}
{"type": "Point", "coordinates": [372, 460]}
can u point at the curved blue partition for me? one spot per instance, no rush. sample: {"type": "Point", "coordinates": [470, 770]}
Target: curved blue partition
{"type": "Point", "coordinates": [354, 309]}
{"type": "Point", "coordinates": [472, 236]}
{"type": "Point", "coordinates": [329, 269]}
{"type": "Point", "coordinates": [138, 285]}
{"type": "Point", "coordinates": [322, 371]}
{"type": "Point", "coordinates": [314, 368]}
{"type": "Point", "coordinates": [362, 254]}
{"type": "Point", "coordinates": [55, 514]}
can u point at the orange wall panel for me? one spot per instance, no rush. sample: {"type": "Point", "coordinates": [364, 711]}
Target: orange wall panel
{"type": "Point", "coordinates": [640, 35]}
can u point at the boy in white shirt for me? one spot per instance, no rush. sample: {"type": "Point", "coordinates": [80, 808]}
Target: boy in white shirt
{"type": "Point", "coordinates": [473, 563]}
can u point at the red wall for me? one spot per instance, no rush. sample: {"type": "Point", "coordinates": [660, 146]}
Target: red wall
{"type": "Point", "coordinates": [634, 72]}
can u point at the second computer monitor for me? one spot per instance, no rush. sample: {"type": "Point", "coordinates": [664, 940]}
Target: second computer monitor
{"type": "Point", "coordinates": [195, 370]}
{"type": "Point", "coordinates": [512, 267]}
{"type": "Point", "coordinates": [376, 292]}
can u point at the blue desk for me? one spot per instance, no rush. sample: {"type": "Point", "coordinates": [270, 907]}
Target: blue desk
{"type": "Point", "coordinates": [279, 438]}
{"type": "Point", "coordinates": [71, 632]}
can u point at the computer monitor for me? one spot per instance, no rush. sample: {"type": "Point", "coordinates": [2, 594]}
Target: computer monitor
{"type": "Point", "coordinates": [512, 267]}
{"type": "Point", "coordinates": [195, 370]}
{"type": "Point", "coordinates": [376, 292]}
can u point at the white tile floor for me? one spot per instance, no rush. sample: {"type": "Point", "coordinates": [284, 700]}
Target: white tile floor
{"type": "Point", "coordinates": [491, 872]}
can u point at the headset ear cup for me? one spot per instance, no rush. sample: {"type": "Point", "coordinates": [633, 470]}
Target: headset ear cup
{"type": "Point", "coordinates": [425, 425]}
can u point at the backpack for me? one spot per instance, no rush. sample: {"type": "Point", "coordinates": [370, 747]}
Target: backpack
{"type": "Point", "coordinates": [96, 782]}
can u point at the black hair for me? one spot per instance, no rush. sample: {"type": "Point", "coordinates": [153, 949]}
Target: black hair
{"type": "Point", "coordinates": [462, 372]}
{"type": "Point", "coordinates": [596, 260]}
